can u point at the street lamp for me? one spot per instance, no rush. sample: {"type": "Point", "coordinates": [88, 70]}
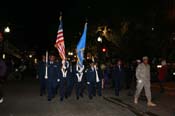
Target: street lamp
{"type": "Point", "coordinates": [30, 55]}
{"type": "Point", "coordinates": [3, 56]}
{"type": "Point", "coordinates": [7, 30]}
{"type": "Point", "coordinates": [99, 39]}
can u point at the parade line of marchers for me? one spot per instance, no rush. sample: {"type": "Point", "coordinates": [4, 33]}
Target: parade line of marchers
{"type": "Point", "coordinates": [54, 74]}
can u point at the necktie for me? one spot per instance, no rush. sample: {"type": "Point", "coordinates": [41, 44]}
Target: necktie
{"type": "Point", "coordinates": [97, 78]}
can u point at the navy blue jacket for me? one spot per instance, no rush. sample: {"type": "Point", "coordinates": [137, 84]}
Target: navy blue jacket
{"type": "Point", "coordinates": [91, 75]}
{"type": "Point", "coordinates": [54, 71]}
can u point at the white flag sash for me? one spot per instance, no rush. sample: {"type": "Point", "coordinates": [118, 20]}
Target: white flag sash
{"type": "Point", "coordinates": [64, 73]}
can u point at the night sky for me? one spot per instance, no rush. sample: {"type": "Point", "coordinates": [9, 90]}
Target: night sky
{"type": "Point", "coordinates": [34, 24]}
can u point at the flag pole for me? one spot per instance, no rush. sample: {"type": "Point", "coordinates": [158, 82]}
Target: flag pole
{"type": "Point", "coordinates": [63, 60]}
{"type": "Point", "coordinates": [60, 18]}
{"type": "Point", "coordinates": [46, 73]}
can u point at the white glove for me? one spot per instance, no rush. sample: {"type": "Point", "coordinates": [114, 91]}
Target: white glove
{"type": "Point", "coordinates": [46, 77]}
{"type": "Point", "coordinates": [58, 80]}
{"type": "Point", "coordinates": [88, 83]}
{"type": "Point", "coordinates": [139, 81]}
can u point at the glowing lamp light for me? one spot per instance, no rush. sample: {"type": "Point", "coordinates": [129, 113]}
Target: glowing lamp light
{"type": "Point", "coordinates": [70, 53]}
{"type": "Point", "coordinates": [99, 39]}
{"type": "Point", "coordinates": [174, 73]}
{"type": "Point", "coordinates": [104, 50]}
{"type": "Point", "coordinates": [159, 66]}
{"type": "Point", "coordinates": [3, 56]}
{"type": "Point", "coordinates": [7, 30]}
{"type": "Point", "coordinates": [30, 56]}
{"type": "Point", "coordinates": [152, 28]}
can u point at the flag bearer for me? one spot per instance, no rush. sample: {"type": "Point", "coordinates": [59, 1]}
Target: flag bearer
{"type": "Point", "coordinates": [64, 80]}
{"type": "Point", "coordinates": [79, 80]}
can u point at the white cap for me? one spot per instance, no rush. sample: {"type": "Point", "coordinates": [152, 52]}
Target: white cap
{"type": "Point", "coordinates": [145, 58]}
{"type": "Point", "coordinates": [163, 62]}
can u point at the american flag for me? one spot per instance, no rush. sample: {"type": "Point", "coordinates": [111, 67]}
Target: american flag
{"type": "Point", "coordinates": [60, 41]}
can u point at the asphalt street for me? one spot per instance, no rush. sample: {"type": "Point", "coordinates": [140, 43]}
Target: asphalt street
{"type": "Point", "coordinates": [21, 98]}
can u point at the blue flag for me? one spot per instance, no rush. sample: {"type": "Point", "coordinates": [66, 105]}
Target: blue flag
{"type": "Point", "coordinates": [81, 46]}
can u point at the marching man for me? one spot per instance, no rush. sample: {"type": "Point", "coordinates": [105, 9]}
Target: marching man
{"type": "Point", "coordinates": [98, 79]}
{"type": "Point", "coordinates": [79, 82]}
{"type": "Point", "coordinates": [52, 76]}
{"type": "Point", "coordinates": [64, 80]}
{"type": "Point", "coordinates": [143, 81]}
{"type": "Point", "coordinates": [91, 80]}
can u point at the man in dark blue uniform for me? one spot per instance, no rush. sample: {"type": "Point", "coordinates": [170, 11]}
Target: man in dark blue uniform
{"type": "Point", "coordinates": [71, 77]}
{"type": "Point", "coordinates": [79, 80]}
{"type": "Point", "coordinates": [64, 80]}
{"type": "Point", "coordinates": [91, 80]}
{"type": "Point", "coordinates": [41, 70]}
{"type": "Point", "coordinates": [53, 77]}
{"type": "Point", "coordinates": [118, 75]}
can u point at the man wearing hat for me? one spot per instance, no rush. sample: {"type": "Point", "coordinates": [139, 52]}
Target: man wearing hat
{"type": "Point", "coordinates": [98, 79]}
{"type": "Point", "coordinates": [143, 81]}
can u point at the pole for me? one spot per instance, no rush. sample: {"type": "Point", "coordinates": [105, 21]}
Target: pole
{"type": "Point", "coordinates": [46, 73]}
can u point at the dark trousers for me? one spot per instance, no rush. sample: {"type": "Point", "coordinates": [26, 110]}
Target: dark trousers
{"type": "Point", "coordinates": [91, 89]}
{"type": "Point", "coordinates": [64, 87]}
{"type": "Point", "coordinates": [79, 89]}
{"type": "Point", "coordinates": [51, 88]}
{"type": "Point", "coordinates": [42, 86]}
{"type": "Point", "coordinates": [70, 86]}
{"type": "Point", "coordinates": [161, 82]}
{"type": "Point", "coordinates": [1, 87]}
{"type": "Point", "coordinates": [99, 88]}
{"type": "Point", "coordinates": [117, 87]}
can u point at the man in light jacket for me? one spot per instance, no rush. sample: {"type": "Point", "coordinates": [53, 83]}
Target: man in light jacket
{"type": "Point", "coordinates": [143, 81]}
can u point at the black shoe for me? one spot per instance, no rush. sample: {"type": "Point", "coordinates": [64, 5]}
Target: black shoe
{"type": "Point", "coordinates": [90, 97]}
{"type": "Point", "coordinates": [66, 96]}
{"type": "Point", "coordinates": [41, 94]}
{"type": "Point", "coordinates": [49, 99]}
{"type": "Point", "coordinates": [61, 99]}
